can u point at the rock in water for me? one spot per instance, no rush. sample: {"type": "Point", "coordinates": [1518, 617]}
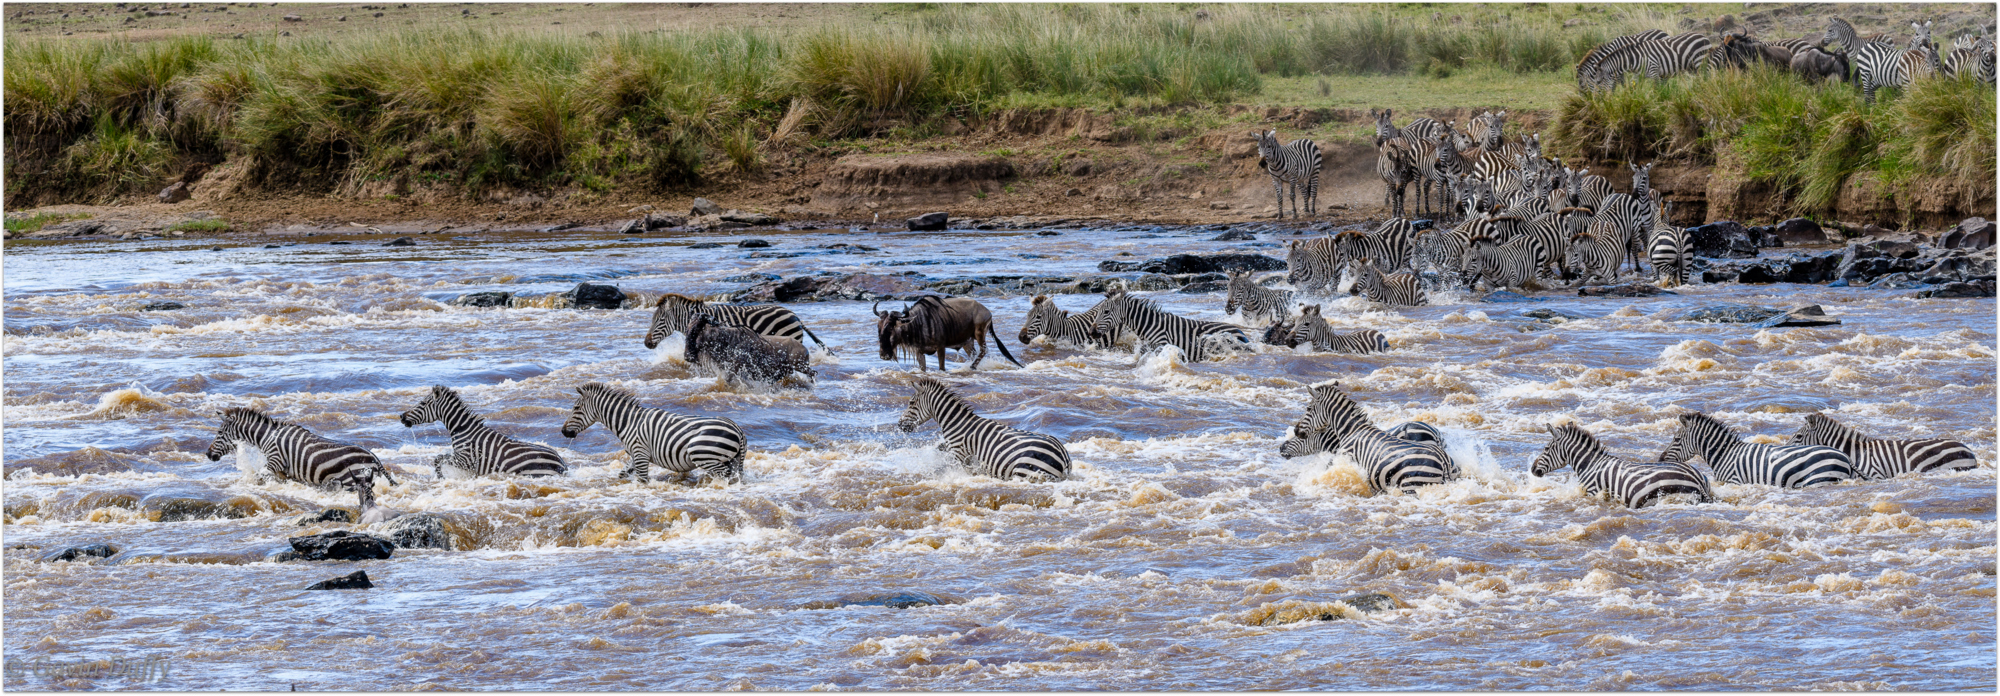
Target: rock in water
{"type": "Point", "coordinates": [357, 580]}
{"type": "Point", "coordinates": [341, 546]}
{"type": "Point", "coordinates": [1983, 288]}
{"type": "Point", "coordinates": [483, 299]}
{"type": "Point", "coordinates": [1235, 236]}
{"type": "Point", "coordinates": [704, 245]}
{"type": "Point", "coordinates": [1370, 602]}
{"type": "Point", "coordinates": [1799, 231]}
{"type": "Point", "coordinates": [1805, 315]}
{"type": "Point", "coordinates": [85, 552]}
{"type": "Point", "coordinates": [421, 530]}
{"type": "Point", "coordinates": [1552, 316]}
{"type": "Point", "coordinates": [1626, 290]}
{"type": "Point", "coordinates": [1726, 239]}
{"type": "Point", "coordinates": [752, 244]}
{"type": "Point", "coordinates": [906, 599]}
{"type": "Point", "coordinates": [162, 307]}
{"type": "Point", "coordinates": [402, 241]}
{"type": "Point", "coordinates": [1727, 314]}
{"type": "Point", "coordinates": [703, 206]}
{"type": "Point", "coordinates": [1971, 233]}
{"type": "Point", "coordinates": [928, 222]}
{"type": "Point", "coordinates": [327, 515]}
{"type": "Point", "coordinates": [592, 296]}
{"type": "Point", "coordinates": [1199, 263]}
{"type": "Point", "coordinates": [636, 226]}
{"type": "Point", "coordinates": [758, 219]}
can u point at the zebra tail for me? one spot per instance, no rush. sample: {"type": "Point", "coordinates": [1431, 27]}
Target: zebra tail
{"type": "Point", "coordinates": [1002, 345]}
{"type": "Point", "coordinates": [384, 468]}
{"type": "Point", "coordinates": [816, 341]}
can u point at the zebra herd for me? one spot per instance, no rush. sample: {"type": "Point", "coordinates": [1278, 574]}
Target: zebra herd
{"type": "Point", "coordinates": [1402, 458]}
{"type": "Point", "coordinates": [1868, 62]}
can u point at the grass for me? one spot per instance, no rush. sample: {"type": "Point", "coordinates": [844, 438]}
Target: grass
{"type": "Point", "coordinates": [1805, 139]}
{"type": "Point", "coordinates": [476, 109]}
{"type": "Point", "coordinates": [204, 225]}
{"type": "Point", "coordinates": [34, 223]}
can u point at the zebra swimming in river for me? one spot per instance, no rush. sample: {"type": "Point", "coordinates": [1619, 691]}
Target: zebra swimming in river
{"type": "Point", "coordinates": [292, 453]}
{"type": "Point", "coordinates": [1880, 459]}
{"type": "Point", "coordinates": [1256, 302]}
{"type": "Point", "coordinates": [1197, 340]}
{"type": "Point", "coordinates": [1405, 458]}
{"type": "Point", "coordinates": [1636, 484]}
{"type": "Point", "coordinates": [1046, 319]}
{"type": "Point", "coordinates": [478, 450]}
{"type": "Point", "coordinates": [984, 446]}
{"type": "Point", "coordinates": [673, 313]}
{"type": "Point", "coordinates": [1313, 330]}
{"type": "Point", "coordinates": [1735, 461]}
{"type": "Point", "coordinates": [657, 438]}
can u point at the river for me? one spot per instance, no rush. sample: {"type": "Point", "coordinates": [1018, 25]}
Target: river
{"type": "Point", "coordinates": [1171, 560]}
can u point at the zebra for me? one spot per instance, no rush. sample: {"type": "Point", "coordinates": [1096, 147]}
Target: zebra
{"type": "Point", "coordinates": [1256, 301]}
{"type": "Point", "coordinates": [1590, 68]}
{"type": "Point", "coordinates": [1449, 251]}
{"type": "Point", "coordinates": [1637, 484]}
{"type": "Point", "coordinates": [1397, 289]}
{"type": "Point", "coordinates": [292, 453]}
{"type": "Point", "coordinates": [1422, 154]}
{"type": "Point", "coordinates": [1507, 266]}
{"type": "Point", "coordinates": [1046, 319]}
{"type": "Point", "coordinates": [478, 450]}
{"type": "Point", "coordinates": [1971, 55]}
{"type": "Point", "coordinates": [1902, 69]}
{"type": "Point", "coordinates": [1392, 241]}
{"type": "Point", "coordinates": [1869, 57]}
{"type": "Point", "coordinates": [1550, 236]}
{"type": "Point", "coordinates": [1393, 163]}
{"type": "Point", "coordinates": [1632, 218]}
{"type": "Point", "coordinates": [1297, 164]}
{"type": "Point", "coordinates": [1668, 249]}
{"type": "Point", "coordinates": [1735, 461]}
{"type": "Point", "coordinates": [1313, 329]}
{"type": "Point", "coordinates": [1596, 253]}
{"type": "Point", "coordinates": [1313, 265]}
{"type": "Point", "coordinates": [1680, 53]}
{"type": "Point", "coordinates": [1880, 459]}
{"type": "Point", "coordinates": [1591, 189]}
{"type": "Point", "coordinates": [1156, 327]}
{"type": "Point", "coordinates": [673, 313]}
{"type": "Point", "coordinates": [1406, 458]}
{"type": "Point", "coordinates": [653, 437]}
{"type": "Point", "coordinates": [1447, 165]}
{"type": "Point", "coordinates": [984, 446]}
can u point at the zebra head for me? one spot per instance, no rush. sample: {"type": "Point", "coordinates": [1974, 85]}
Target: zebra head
{"type": "Point", "coordinates": [925, 404]}
{"type": "Point", "coordinates": [238, 425]}
{"type": "Point", "coordinates": [1569, 446]}
{"type": "Point", "coordinates": [1113, 316]}
{"type": "Point", "coordinates": [1922, 37]}
{"type": "Point", "coordinates": [1328, 408]}
{"type": "Point", "coordinates": [1267, 147]}
{"type": "Point", "coordinates": [1239, 289]}
{"type": "Point", "coordinates": [433, 408]}
{"type": "Point", "coordinates": [1460, 141]}
{"type": "Point", "coordinates": [1642, 178]}
{"type": "Point", "coordinates": [1532, 144]}
{"type": "Point", "coordinates": [1295, 447]}
{"type": "Point", "coordinates": [588, 407]}
{"type": "Point", "coordinates": [1384, 128]}
{"type": "Point", "coordinates": [1818, 430]}
{"type": "Point", "coordinates": [1495, 123]}
{"type": "Point", "coordinates": [670, 316]}
{"type": "Point", "coordinates": [1043, 319]}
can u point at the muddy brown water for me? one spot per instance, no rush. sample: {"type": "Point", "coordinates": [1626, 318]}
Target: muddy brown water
{"type": "Point", "coordinates": [1173, 559]}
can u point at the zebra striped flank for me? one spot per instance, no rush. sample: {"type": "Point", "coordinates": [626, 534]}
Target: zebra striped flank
{"type": "Point", "coordinates": [1390, 243]}
{"type": "Point", "coordinates": [673, 313]}
{"type": "Point", "coordinates": [1312, 329]}
{"type": "Point", "coordinates": [657, 438]}
{"type": "Point", "coordinates": [1155, 327]}
{"type": "Point", "coordinates": [1409, 457]}
{"type": "Point", "coordinates": [1880, 459]}
{"type": "Point", "coordinates": [1256, 302]}
{"type": "Point", "coordinates": [1511, 265]}
{"type": "Point", "coordinates": [478, 450]}
{"type": "Point", "coordinates": [1668, 249]}
{"type": "Point", "coordinates": [1397, 289]}
{"type": "Point", "coordinates": [292, 453]}
{"type": "Point", "coordinates": [983, 446]}
{"type": "Point", "coordinates": [1735, 461]}
{"type": "Point", "coordinates": [1313, 265]}
{"type": "Point", "coordinates": [1635, 484]}
{"type": "Point", "coordinates": [1296, 163]}
{"type": "Point", "coordinates": [1046, 319]}
{"type": "Point", "coordinates": [1588, 77]}
{"type": "Point", "coordinates": [1596, 253]}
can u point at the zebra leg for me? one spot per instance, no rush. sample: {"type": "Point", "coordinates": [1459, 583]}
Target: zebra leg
{"type": "Point", "coordinates": [1312, 195]}
{"type": "Point", "coordinates": [437, 465]}
{"type": "Point", "coordinates": [1278, 187]}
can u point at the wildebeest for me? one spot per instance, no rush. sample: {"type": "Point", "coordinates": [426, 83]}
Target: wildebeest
{"type": "Point", "coordinates": [1741, 50]}
{"type": "Point", "coordinates": [1816, 64]}
{"type": "Point", "coordinates": [740, 354]}
{"type": "Point", "coordinates": [933, 324]}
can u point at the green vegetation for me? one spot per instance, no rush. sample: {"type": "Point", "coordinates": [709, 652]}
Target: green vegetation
{"type": "Point", "coordinates": [1805, 139]}
{"type": "Point", "coordinates": [97, 119]}
{"type": "Point", "coordinates": [34, 223]}
{"type": "Point", "coordinates": [204, 225]}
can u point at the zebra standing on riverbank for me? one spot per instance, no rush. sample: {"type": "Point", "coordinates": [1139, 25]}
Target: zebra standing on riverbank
{"type": "Point", "coordinates": [1596, 253]}
{"type": "Point", "coordinates": [1396, 289]}
{"type": "Point", "coordinates": [1509, 266]}
{"type": "Point", "coordinates": [1313, 265]}
{"type": "Point", "coordinates": [1393, 163]}
{"type": "Point", "coordinates": [984, 446]}
{"type": "Point", "coordinates": [1312, 329]}
{"type": "Point", "coordinates": [1637, 484]}
{"type": "Point", "coordinates": [1295, 163]}
{"type": "Point", "coordinates": [1902, 69]}
{"type": "Point", "coordinates": [1735, 461]}
{"type": "Point", "coordinates": [1870, 58]}
{"type": "Point", "coordinates": [1598, 70]}
{"type": "Point", "coordinates": [1880, 459]}
{"type": "Point", "coordinates": [673, 313]}
{"type": "Point", "coordinates": [478, 450]}
{"type": "Point", "coordinates": [1668, 249]}
{"type": "Point", "coordinates": [1046, 319]}
{"type": "Point", "coordinates": [1256, 302]}
{"type": "Point", "coordinates": [293, 453]}
{"type": "Point", "coordinates": [657, 438]}
{"type": "Point", "coordinates": [1197, 340]}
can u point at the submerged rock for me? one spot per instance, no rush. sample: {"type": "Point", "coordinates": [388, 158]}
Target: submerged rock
{"type": "Point", "coordinates": [483, 299]}
{"type": "Point", "coordinates": [1804, 315]}
{"type": "Point", "coordinates": [421, 530]}
{"type": "Point", "coordinates": [85, 553]}
{"type": "Point", "coordinates": [1552, 316]}
{"type": "Point", "coordinates": [182, 504]}
{"type": "Point", "coordinates": [1983, 288]}
{"type": "Point", "coordinates": [341, 546]}
{"type": "Point", "coordinates": [1625, 290]}
{"type": "Point", "coordinates": [928, 222]}
{"type": "Point", "coordinates": [357, 580]}
{"type": "Point", "coordinates": [593, 296]}
{"type": "Point", "coordinates": [1235, 236]}
{"type": "Point", "coordinates": [906, 599]}
{"type": "Point", "coordinates": [1197, 263]}
{"type": "Point", "coordinates": [752, 244]}
{"type": "Point", "coordinates": [1726, 314]}
{"type": "Point", "coordinates": [327, 515]}
{"type": "Point", "coordinates": [704, 245]}
{"type": "Point", "coordinates": [401, 242]}
{"type": "Point", "coordinates": [162, 307]}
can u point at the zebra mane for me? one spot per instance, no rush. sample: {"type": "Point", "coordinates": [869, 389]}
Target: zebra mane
{"type": "Point", "coordinates": [608, 393]}
{"type": "Point", "coordinates": [676, 296]}
{"type": "Point", "coordinates": [938, 392]}
{"type": "Point", "coordinates": [1571, 433]}
{"type": "Point", "coordinates": [451, 397]}
{"type": "Point", "coordinates": [1829, 426]}
{"type": "Point", "coordinates": [1704, 420]}
{"type": "Point", "coordinates": [243, 413]}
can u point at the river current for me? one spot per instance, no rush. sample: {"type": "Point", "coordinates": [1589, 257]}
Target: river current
{"type": "Point", "coordinates": [1176, 557]}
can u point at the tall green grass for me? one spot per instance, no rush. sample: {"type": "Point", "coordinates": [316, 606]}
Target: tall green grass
{"type": "Point", "coordinates": [95, 118]}
{"type": "Point", "coordinates": [1807, 140]}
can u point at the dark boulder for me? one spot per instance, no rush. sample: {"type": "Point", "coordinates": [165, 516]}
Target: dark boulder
{"type": "Point", "coordinates": [1971, 233]}
{"type": "Point", "coordinates": [341, 546]}
{"type": "Point", "coordinates": [1982, 288]}
{"type": "Point", "coordinates": [1799, 231]}
{"type": "Point", "coordinates": [753, 219]}
{"type": "Point", "coordinates": [401, 242]}
{"type": "Point", "coordinates": [752, 244]}
{"type": "Point", "coordinates": [162, 307]}
{"type": "Point", "coordinates": [1048, 233]}
{"type": "Point", "coordinates": [357, 580]}
{"type": "Point", "coordinates": [421, 530]}
{"type": "Point", "coordinates": [175, 193]}
{"type": "Point", "coordinates": [1766, 236]}
{"type": "Point", "coordinates": [752, 278]}
{"type": "Point", "coordinates": [928, 222]}
{"type": "Point", "coordinates": [802, 286]}
{"type": "Point", "coordinates": [327, 515]}
{"type": "Point", "coordinates": [1726, 314]}
{"type": "Point", "coordinates": [704, 245]}
{"type": "Point", "coordinates": [339, 243]}
{"type": "Point", "coordinates": [1806, 315]}
{"type": "Point", "coordinates": [1552, 316]}
{"type": "Point", "coordinates": [656, 221]}
{"type": "Point", "coordinates": [1235, 236]}
{"type": "Point", "coordinates": [184, 504]}
{"type": "Point", "coordinates": [1626, 290]}
{"type": "Point", "coordinates": [85, 553]}
{"type": "Point", "coordinates": [1723, 239]}
{"type": "Point", "coordinates": [483, 299]}
{"type": "Point", "coordinates": [593, 296]}
{"type": "Point", "coordinates": [636, 226]}
{"type": "Point", "coordinates": [1898, 281]}
{"type": "Point", "coordinates": [906, 599]}
{"type": "Point", "coordinates": [1209, 263]}
{"type": "Point", "coordinates": [703, 206]}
